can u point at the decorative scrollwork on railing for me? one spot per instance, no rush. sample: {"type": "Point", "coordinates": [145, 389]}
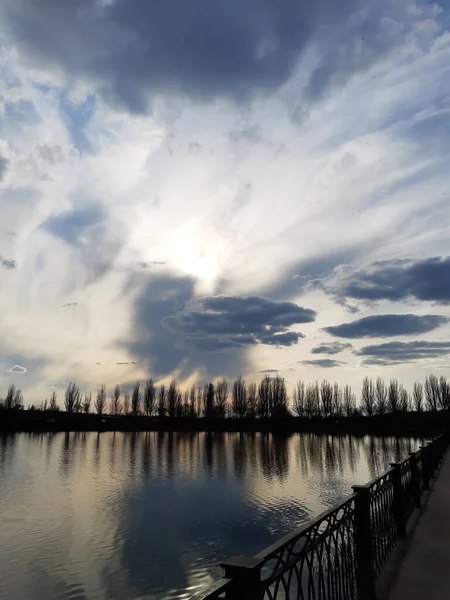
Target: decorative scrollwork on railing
{"type": "Point", "coordinates": [318, 562]}
{"type": "Point", "coordinates": [407, 487]}
{"type": "Point", "coordinates": [384, 531]}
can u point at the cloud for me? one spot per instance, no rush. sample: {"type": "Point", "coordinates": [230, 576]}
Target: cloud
{"type": "Point", "coordinates": [17, 369]}
{"type": "Point", "coordinates": [270, 371]}
{"type": "Point", "coordinates": [8, 263]}
{"type": "Point", "coordinates": [125, 363]}
{"type": "Point", "coordinates": [387, 326]}
{"type": "Point", "coordinates": [228, 321]}
{"type": "Point", "coordinates": [69, 304]}
{"type": "Point", "coordinates": [396, 280]}
{"type": "Point", "coordinates": [402, 352]}
{"type": "Point", "coordinates": [3, 166]}
{"type": "Point", "coordinates": [333, 348]}
{"type": "Point", "coordinates": [203, 50]}
{"type": "Point", "coordinates": [325, 363]}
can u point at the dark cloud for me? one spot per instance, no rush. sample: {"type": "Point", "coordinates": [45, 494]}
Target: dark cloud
{"type": "Point", "coordinates": [88, 229]}
{"type": "Point", "coordinates": [325, 363]}
{"type": "Point", "coordinates": [7, 263]}
{"type": "Point", "coordinates": [165, 350]}
{"type": "Point", "coordinates": [387, 326]}
{"type": "Point", "coordinates": [395, 280]}
{"type": "Point", "coordinates": [402, 352]}
{"type": "Point", "coordinates": [224, 322]}
{"type": "Point", "coordinates": [145, 264]}
{"type": "Point", "coordinates": [3, 166]}
{"type": "Point", "coordinates": [270, 371]}
{"type": "Point", "coordinates": [203, 49]}
{"type": "Point", "coordinates": [126, 363]}
{"type": "Point", "coordinates": [69, 304]}
{"type": "Point", "coordinates": [332, 348]}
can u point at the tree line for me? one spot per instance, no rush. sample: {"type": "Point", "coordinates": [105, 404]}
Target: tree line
{"type": "Point", "coordinates": [268, 399]}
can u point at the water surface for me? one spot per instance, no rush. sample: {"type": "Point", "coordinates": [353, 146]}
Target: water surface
{"type": "Point", "coordinates": [149, 515]}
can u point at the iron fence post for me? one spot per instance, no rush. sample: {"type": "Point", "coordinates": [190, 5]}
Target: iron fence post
{"type": "Point", "coordinates": [425, 467]}
{"type": "Point", "coordinates": [415, 476]}
{"type": "Point", "coordinates": [245, 573]}
{"type": "Point", "coordinates": [399, 512]}
{"type": "Point", "coordinates": [365, 569]}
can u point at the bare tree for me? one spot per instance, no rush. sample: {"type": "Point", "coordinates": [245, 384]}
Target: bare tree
{"type": "Point", "coordinates": [172, 399]}
{"type": "Point", "coordinates": [403, 401]}
{"type": "Point", "coordinates": [18, 400]}
{"type": "Point", "coordinates": [337, 400]}
{"type": "Point", "coordinates": [418, 396]}
{"type": "Point", "coordinates": [252, 400]}
{"type": "Point", "coordinates": [221, 398]}
{"type": "Point", "coordinates": [298, 399]}
{"type": "Point", "coordinates": [87, 402]}
{"type": "Point", "coordinates": [264, 397]}
{"type": "Point", "coordinates": [380, 397]}
{"type": "Point", "coordinates": [349, 402]}
{"type": "Point", "coordinates": [279, 398]}
{"type": "Point", "coordinates": [239, 397]}
{"type": "Point", "coordinates": [432, 392]}
{"type": "Point", "coordinates": [100, 401]}
{"type": "Point", "coordinates": [444, 387]}
{"type": "Point", "coordinates": [162, 401]}
{"type": "Point", "coordinates": [10, 395]}
{"type": "Point", "coordinates": [53, 406]}
{"type": "Point", "coordinates": [368, 397]}
{"type": "Point", "coordinates": [149, 397]}
{"type": "Point", "coordinates": [393, 396]}
{"type": "Point", "coordinates": [115, 408]}
{"type": "Point", "coordinates": [326, 398]}
{"type": "Point", "coordinates": [193, 402]}
{"type": "Point", "coordinates": [126, 404]}
{"type": "Point", "coordinates": [136, 400]}
{"type": "Point", "coordinates": [209, 398]}
{"type": "Point", "coordinates": [186, 404]}
{"type": "Point", "coordinates": [72, 397]}
{"type": "Point", "coordinates": [312, 400]}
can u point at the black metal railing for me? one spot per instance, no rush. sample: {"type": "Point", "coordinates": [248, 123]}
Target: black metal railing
{"type": "Point", "coordinates": [340, 554]}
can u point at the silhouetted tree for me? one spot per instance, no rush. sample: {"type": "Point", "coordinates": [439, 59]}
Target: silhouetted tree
{"type": "Point", "coordinates": [53, 406]}
{"type": "Point", "coordinates": [312, 400]}
{"type": "Point", "coordinates": [100, 401]}
{"type": "Point", "coordinates": [209, 397]}
{"type": "Point", "coordinates": [186, 405]}
{"type": "Point", "coordinates": [72, 397]}
{"type": "Point", "coordinates": [432, 392]}
{"type": "Point", "coordinates": [18, 400]}
{"type": "Point", "coordinates": [264, 397]}
{"type": "Point", "coordinates": [115, 408]}
{"type": "Point", "coordinates": [279, 398]}
{"type": "Point", "coordinates": [172, 399]}
{"type": "Point", "coordinates": [87, 402]}
{"type": "Point", "coordinates": [126, 404]}
{"type": "Point", "coordinates": [149, 397]}
{"type": "Point", "coordinates": [418, 396]}
{"type": "Point", "coordinates": [136, 400]}
{"type": "Point", "coordinates": [193, 402]}
{"type": "Point", "coordinates": [252, 400]}
{"type": "Point", "coordinates": [349, 402]}
{"type": "Point", "coordinates": [162, 402]}
{"type": "Point", "coordinates": [368, 397]}
{"type": "Point", "coordinates": [326, 398]}
{"type": "Point", "coordinates": [239, 397]}
{"type": "Point", "coordinates": [403, 400]}
{"type": "Point", "coordinates": [393, 396]}
{"type": "Point", "coordinates": [298, 400]}
{"type": "Point", "coordinates": [337, 400]}
{"type": "Point", "coordinates": [221, 398]}
{"type": "Point", "coordinates": [380, 397]}
{"type": "Point", "coordinates": [444, 395]}
{"type": "Point", "coordinates": [10, 395]}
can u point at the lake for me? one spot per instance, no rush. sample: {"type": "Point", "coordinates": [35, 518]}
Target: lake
{"type": "Point", "coordinates": [149, 515]}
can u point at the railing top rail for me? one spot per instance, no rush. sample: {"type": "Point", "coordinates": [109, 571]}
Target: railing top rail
{"type": "Point", "coordinates": [303, 530]}
{"type": "Point", "coordinates": [214, 590]}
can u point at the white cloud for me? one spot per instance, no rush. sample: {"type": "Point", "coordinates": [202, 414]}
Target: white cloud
{"type": "Point", "coordinates": [17, 369]}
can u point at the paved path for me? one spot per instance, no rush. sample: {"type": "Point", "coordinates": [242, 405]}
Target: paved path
{"type": "Point", "coordinates": [425, 570]}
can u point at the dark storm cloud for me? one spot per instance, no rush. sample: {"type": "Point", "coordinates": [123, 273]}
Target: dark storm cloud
{"type": "Point", "coordinates": [395, 280]}
{"type": "Point", "coordinates": [91, 233]}
{"type": "Point", "coordinates": [324, 363]}
{"type": "Point", "coordinates": [7, 263]}
{"type": "Point", "coordinates": [233, 321]}
{"type": "Point", "coordinates": [203, 49]}
{"type": "Point", "coordinates": [402, 352]}
{"type": "Point", "coordinates": [333, 348]}
{"type": "Point", "coordinates": [387, 326]}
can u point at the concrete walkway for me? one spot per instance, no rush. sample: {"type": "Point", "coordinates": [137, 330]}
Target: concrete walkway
{"type": "Point", "coordinates": [424, 572]}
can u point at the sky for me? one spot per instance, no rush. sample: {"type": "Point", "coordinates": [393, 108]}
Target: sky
{"type": "Point", "coordinates": [198, 189]}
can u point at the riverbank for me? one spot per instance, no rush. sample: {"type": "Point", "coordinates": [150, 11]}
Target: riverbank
{"type": "Point", "coordinates": [398, 424]}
